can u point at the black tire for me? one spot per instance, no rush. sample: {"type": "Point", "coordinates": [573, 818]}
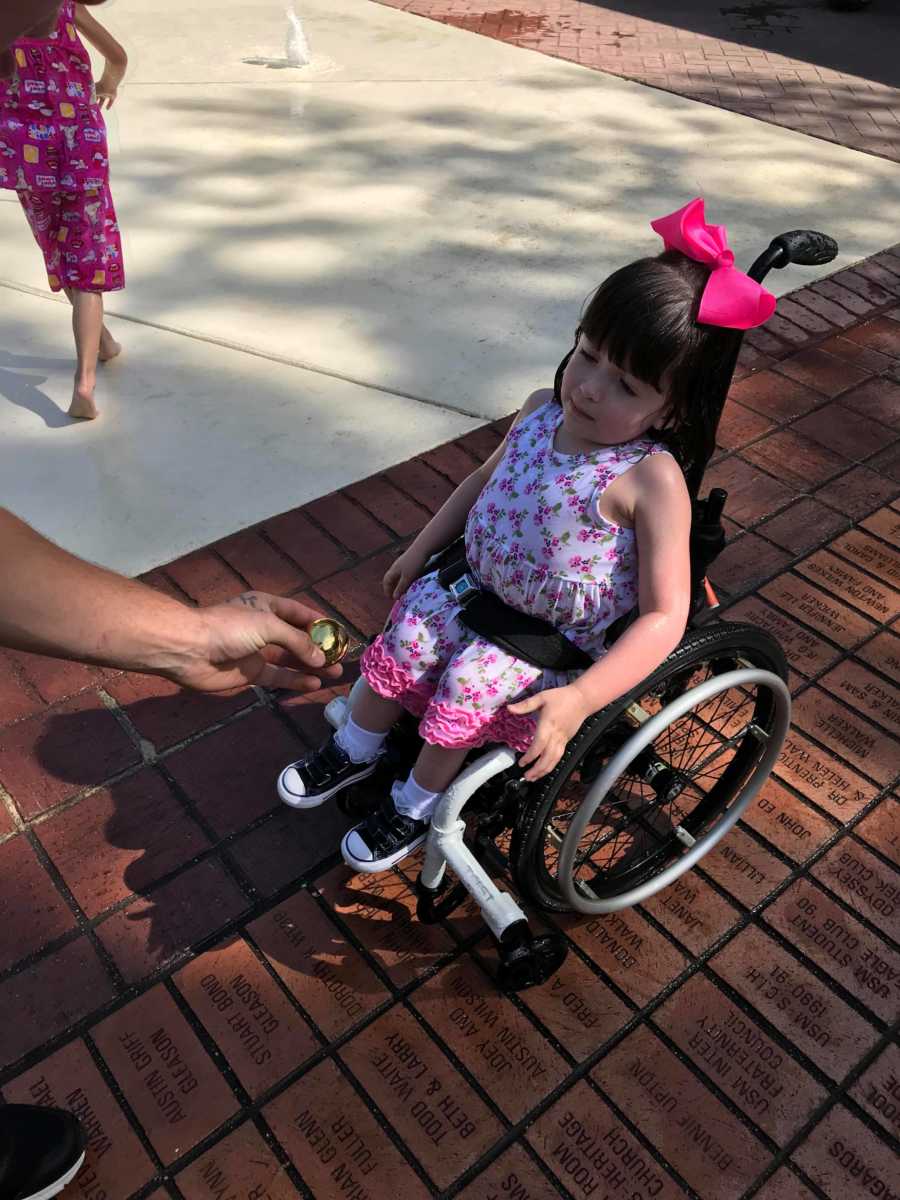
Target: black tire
{"type": "Point", "coordinates": [710, 650]}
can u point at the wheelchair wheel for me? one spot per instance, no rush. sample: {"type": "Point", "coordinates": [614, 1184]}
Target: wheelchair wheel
{"type": "Point", "coordinates": [712, 743]}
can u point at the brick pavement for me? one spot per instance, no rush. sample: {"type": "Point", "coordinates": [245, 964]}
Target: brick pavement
{"type": "Point", "coordinates": [797, 64]}
{"type": "Point", "coordinates": [186, 965]}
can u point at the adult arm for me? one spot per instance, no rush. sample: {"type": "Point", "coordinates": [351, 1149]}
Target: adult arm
{"type": "Point", "coordinates": [54, 603]}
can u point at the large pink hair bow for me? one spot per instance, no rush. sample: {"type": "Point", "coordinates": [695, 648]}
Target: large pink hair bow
{"type": "Point", "coordinates": [730, 298]}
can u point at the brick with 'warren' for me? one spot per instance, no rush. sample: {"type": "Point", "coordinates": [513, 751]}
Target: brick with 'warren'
{"type": "Point", "coordinates": [116, 1162]}
{"type": "Point", "coordinates": [714, 1152]}
{"type": "Point", "coordinates": [165, 1074]}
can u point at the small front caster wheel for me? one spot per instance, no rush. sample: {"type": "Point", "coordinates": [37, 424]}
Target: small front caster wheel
{"type": "Point", "coordinates": [526, 960]}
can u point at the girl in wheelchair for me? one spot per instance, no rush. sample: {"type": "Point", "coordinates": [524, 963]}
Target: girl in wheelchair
{"type": "Point", "coordinates": [581, 514]}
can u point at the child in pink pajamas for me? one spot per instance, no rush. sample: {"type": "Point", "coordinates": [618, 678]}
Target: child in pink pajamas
{"type": "Point", "coordinates": [53, 153]}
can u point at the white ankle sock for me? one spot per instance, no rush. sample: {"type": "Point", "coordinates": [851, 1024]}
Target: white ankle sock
{"type": "Point", "coordinates": [414, 801]}
{"type": "Point", "coordinates": [360, 744]}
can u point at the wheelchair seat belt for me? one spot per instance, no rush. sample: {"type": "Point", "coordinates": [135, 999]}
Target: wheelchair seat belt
{"type": "Point", "coordinates": [532, 639]}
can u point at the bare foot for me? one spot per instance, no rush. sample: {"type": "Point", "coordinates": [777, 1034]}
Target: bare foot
{"type": "Point", "coordinates": [109, 347]}
{"type": "Point", "coordinates": [83, 405]}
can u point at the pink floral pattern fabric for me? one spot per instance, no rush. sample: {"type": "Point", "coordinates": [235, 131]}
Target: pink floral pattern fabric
{"type": "Point", "coordinates": [54, 155]}
{"type": "Point", "coordinates": [536, 538]}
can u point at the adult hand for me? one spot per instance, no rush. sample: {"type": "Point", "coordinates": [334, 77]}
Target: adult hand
{"type": "Point", "coordinates": [561, 713]}
{"type": "Point", "coordinates": [254, 639]}
{"type": "Point", "coordinates": [403, 571]}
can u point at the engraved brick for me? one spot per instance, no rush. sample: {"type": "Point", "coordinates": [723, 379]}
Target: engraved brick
{"type": "Point", "coordinates": [881, 829]}
{"type": "Point", "coordinates": [870, 554]}
{"type": "Point", "coordinates": [851, 954]}
{"type": "Point", "coordinates": [846, 1159]}
{"type": "Point", "coordinates": [715, 1153]}
{"type": "Point", "coordinates": [255, 1026]}
{"type": "Point", "coordinates": [820, 777]}
{"type": "Point", "coordinates": [380, 911]}
{"type": "Point", "coordinates": [586, 1146]}
{"type": "Point", "coordinates": [513, 1062]}
{"type": "Point", "coordinates": [436, 1113]}
{"type": "Point", "coordinates": [640, 960]}
{"type": "Point", "coordinates": [116, 1163]}
{"type": "Point", "coordinates": [875, 599]}
{"type": "Point", "coordinates": [855, 739]}
{"type": "Point", "coordinates": [804, 651]}
{"type": "Point", "coordinates": [165, 1074]}
{"type": "Point", "coordinates": [884, 524]}
{"type": "Point", "coordinates": [740, 865]}
{"type": "Point", "coordinates": [816, 608]}
{"type": "Point", "coordinates": [334, 1141]}
{"type": "Point", "coordinates": [752, 494]}
{"type": "Point", "coordinates": [740, 1058]}
{"type": "Point", "coordinates": [882, 653]}
{"type": "Point", "coordinates": [240, 1166]}
{"type": "Point", "coordinates": [799, 1005]}
{"type": "Point", "coordinates": [513, 1174]}
{"type": "Point", "coordinates": [574, 1004]}
{"type": "Point", "coordinates": [859, 688]}
{"type": "Point", "coordinates": [864, 882]}
{"type": "Point", "coordinates": [693, 912]}
{"type": "Point", "coordinates": [878, 1090]}
{"type": "Point", "coordinates": [329, 978]}
{"type": "Point", "coordinates": [745, 562]}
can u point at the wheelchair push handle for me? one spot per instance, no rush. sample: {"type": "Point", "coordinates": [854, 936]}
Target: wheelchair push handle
{"type": "Point", "coordinates": [805, 247]}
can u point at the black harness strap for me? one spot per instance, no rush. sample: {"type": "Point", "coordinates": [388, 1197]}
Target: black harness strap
{"type": "Point", "coordinates": [530, 638]}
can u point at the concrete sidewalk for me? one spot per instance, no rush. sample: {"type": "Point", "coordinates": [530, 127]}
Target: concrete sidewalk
{"type": "Point", "coordinates": [333, 269]}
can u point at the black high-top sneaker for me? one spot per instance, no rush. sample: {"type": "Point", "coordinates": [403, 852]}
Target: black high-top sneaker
{"type": "Point", "coordinates": [311, 781]}
{"type": "Point", "coordinates": [41, 1150]}
{"type": "Point", "coordinates": [384, 838]}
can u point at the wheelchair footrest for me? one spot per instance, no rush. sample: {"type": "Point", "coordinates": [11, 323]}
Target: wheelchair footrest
{"type": "Point", "coordinates": [431, 908]}
{"type": "Point", "coordinates": [526, 960]}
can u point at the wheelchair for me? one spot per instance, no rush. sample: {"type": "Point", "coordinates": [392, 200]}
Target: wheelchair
{"type": "Point", "coordinates": [646, 787]}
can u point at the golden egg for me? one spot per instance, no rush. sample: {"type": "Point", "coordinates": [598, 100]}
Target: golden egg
{"type": "Point", "coordinates": [331, 637]}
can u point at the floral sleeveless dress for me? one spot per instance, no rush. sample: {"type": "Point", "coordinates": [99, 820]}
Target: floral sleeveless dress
{"type": "Point", "coordinates": [535, 537]}
{"type": "Point", "coordinates": [53, 153]}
